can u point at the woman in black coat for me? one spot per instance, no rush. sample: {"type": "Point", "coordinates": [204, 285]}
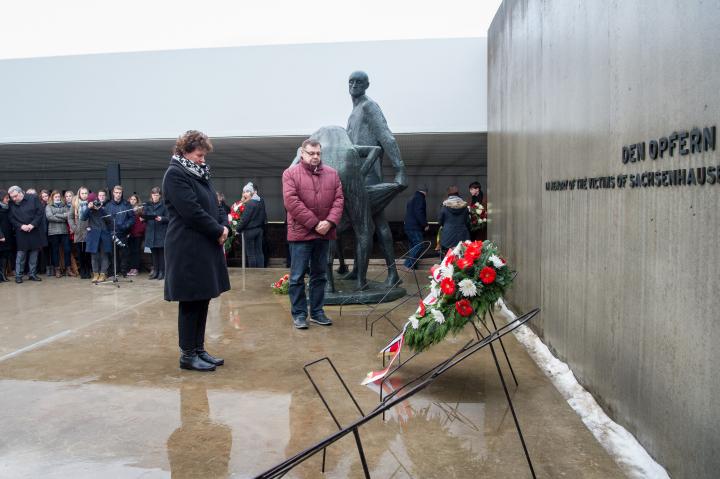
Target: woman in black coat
{"type": "Point", "coordinates": [156, 218]}
{"type": "Point", "coordinates": [454, 219]}
{"type": "Point", "coordinates": [195, 269]}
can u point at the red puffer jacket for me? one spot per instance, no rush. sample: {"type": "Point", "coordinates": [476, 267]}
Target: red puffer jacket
{"type": "Point", "coordinates": [311, 194]}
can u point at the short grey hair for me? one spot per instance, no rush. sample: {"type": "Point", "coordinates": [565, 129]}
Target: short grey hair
{"type": "Point", "coordinates": [15, 189]}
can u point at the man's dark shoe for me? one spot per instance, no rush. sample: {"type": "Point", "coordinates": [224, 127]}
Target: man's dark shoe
{"type": "Point", "coordinates": [18, 279]}
{"type": "Point", "coordinates": [193, 362]}
{"type": "Point", "coordinates": [161, 275]}
{"type": "Point", "coordinates": [153, 274]}
{"type": "Point", "coordinates": [300, 323]}
{"type": "Point", "coordinates": [35, 278]}
{"type": "Point", "coordinates": [322, 320]}
{"type": "Point", "coordinates": [205, 356]}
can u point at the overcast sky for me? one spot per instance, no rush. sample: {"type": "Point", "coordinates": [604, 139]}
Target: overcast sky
{"type": "Point", "coordinates": [36, 28]}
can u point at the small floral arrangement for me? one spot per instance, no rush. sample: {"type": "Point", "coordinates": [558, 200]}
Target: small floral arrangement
{"type": "Point", "coordinates": [281, 286]}
{"type": "Point", "coordinates": [470, 280]}
{"type": "Point", "coordinates": [236, 210]}
{"type": "Point", "coordinates": [478, 216]}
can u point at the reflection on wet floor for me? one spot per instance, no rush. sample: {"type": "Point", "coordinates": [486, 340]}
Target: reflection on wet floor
{"type": "Point", "coordinates": [89, 387]}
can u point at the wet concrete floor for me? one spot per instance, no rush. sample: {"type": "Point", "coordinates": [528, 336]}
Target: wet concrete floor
{"type": "Point", "coordinates": [90, 388]}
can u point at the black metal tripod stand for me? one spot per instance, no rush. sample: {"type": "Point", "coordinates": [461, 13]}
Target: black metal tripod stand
{"type": "Point", "coordinates": [115, 280]}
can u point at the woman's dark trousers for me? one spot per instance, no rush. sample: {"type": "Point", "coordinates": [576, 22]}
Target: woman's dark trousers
{"type": "Point", "coordinates": [135, 245]}
{"type": "Point", "coordinates": [192, 318]}
{"type": "Point", "coordinates": [158, 260]}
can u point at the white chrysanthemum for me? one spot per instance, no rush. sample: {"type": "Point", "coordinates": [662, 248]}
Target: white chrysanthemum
{"type": "Point", "coordinates": [496, 261]}
{"type": "Point", "coordinates": [467, 288]}
{"type": "Point", "coordinates": [438, 316]}
{"type": "Point", "coordinates": [414, 322]}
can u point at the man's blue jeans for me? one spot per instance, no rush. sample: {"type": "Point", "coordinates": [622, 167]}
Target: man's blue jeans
{"type": "Point", "coordinates": [32, 262]}
{"type": "Point", "coordinates": [415, 237]}
{"type": "Point", "coordinates": [304, 254]}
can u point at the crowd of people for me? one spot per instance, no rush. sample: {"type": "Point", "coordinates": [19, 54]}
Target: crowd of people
{"type": "Point", "coordinates": [67, 233]}
{"type": "Point", "coordinates": [453, 219]}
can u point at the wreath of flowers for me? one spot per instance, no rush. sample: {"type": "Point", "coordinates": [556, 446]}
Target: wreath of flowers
{"type": "Point", "coordinates": [478, 216]}
{"type": "Point", "coordinates": [236, 210]}
{"type": "Point", "coordinates": [281, 286]}
{"type": "Point", "coordinates": [470, 280]}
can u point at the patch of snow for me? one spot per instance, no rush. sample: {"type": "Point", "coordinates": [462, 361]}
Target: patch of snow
{"type": "Point", "coordinates": [632, 458]}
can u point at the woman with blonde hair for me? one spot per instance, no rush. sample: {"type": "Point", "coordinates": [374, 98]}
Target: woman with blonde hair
{"type": "Point", "coordinates": [79, 228]}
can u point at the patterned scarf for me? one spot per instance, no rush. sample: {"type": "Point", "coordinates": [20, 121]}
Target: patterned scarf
{"type": "Point", "coordinates": [201, 171]}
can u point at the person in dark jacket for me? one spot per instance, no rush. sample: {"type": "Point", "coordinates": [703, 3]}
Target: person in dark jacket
{"type": "Point", "coordinates": [454, 219]}
{"type": "Point", "coordinates": [415, 224]}
{"type": "Point", "coordinates": [136, 237]}
{"type": "Point", "coordinates": [98, 241]}
{"type": "Point", "coordinates": [476, 193]}
{"type": "Point", "coordinates": [251, 224]}
{"type": "Point", "coordinates": [27, 216]}
{"type": "Point", "coordinates": [156, 217]}
{"type": "Point", "coordinates": [476, 196]}
{"type": "Point", "coordinates": [6, 234]}
{"type": "Point", "coordinates": [124, 217]}
{"type": "Point", "coordinates": [194, 256]}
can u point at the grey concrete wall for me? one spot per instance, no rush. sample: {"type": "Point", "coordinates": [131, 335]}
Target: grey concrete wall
{"type": "Point", "coordinates": [627, 278]}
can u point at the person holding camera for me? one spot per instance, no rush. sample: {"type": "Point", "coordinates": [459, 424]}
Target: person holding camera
{"type": "Point", "coordinates": [124, 216]}
{"type": "Point", "coordinates": [156, 217]}
{"type": "Point", "coordinates": [98, 241]}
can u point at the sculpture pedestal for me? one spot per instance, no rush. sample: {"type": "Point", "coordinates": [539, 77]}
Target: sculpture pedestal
{"type": "Point", "coordinates": [345, 293]}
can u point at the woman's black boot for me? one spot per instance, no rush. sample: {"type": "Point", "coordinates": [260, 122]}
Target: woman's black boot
{"type": "Point", "coordinates": [205, 356]}
{"type": "Point", "coordinates": [190, 360]}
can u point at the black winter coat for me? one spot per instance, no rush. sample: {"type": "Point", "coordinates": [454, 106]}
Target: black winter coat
{"type": "Point", "coordinates": [455, 220]}
{"type": "Point", "coordinates": [254, 216]}
{"type": "Point", "coordinates": [155, 231]}
{"type": "Point", "coordinates": [195, 266]}
{"type": "Point", "coordinates": [29, 211]}
{"type": "Point", "coordinates": [6, 231]}
{"type": "Point", "coordinates": [416, 213]}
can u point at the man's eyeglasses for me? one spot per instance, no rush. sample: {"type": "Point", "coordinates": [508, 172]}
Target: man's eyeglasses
{"type": "Point", "coordinates": [311, 153]}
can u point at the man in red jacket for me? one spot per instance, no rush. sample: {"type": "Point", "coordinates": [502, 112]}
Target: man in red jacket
{"type": "Point", "coordinates": [314, 200]}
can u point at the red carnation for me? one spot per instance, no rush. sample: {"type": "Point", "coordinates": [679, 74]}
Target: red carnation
{"type": "Point", "coordinates": [463, 308]}
{"type": "Point", "coordinates": [422, 309]}
{"type": "Point", "coordinates": [242, 208]}
{"type": "Point", "coordinates": [447, 286]}
{"type": "Point", "coordinates": [464, 263]}
{"type": "Point", "coordinates": [487, 275]}
{"type": "Point", "coordinates": [234, 215]}
{"type": "Point", "coordinates": [472, 252]}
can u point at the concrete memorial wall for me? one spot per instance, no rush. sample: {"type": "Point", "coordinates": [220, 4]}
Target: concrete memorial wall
{"type": "Point", "coordinates": [604, 181]}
